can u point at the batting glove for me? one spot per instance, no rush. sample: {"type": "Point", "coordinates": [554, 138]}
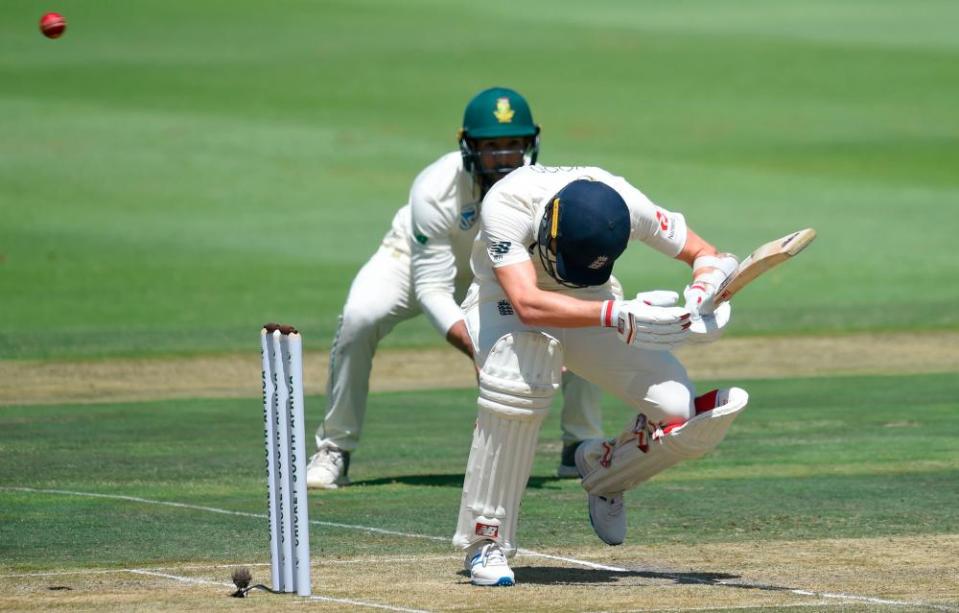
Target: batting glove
{"type": "Point", "coordinates": [700, 293]}
{"type": "Point", "coordinates": [644, 325]}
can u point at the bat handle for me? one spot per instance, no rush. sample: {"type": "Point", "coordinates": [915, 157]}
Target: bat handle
{"type": "Point", "coordinates": [722, 295]}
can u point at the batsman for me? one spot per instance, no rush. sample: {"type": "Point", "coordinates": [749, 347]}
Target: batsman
{"type": "Point", "coordinates": [423, 265]}
{"type": "Point", "coordinates": [542, 298]}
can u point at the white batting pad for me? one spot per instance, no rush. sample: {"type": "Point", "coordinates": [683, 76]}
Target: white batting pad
{"type": "Point", "coordinates": [517, 383]}
{"type": "Point", "coordinates": [644, 450]}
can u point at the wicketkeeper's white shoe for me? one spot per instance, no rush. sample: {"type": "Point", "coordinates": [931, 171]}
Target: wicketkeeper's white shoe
{"type": "Point", "coordinates": [328, 468]}
{"type": "Point", "coordinates": [487, 565]}
{"type": "Point", "coordinates": [607, 514]}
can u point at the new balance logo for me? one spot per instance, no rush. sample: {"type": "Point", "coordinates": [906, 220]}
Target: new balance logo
{"type": "Point", "coordinates": [598, 263]}
{"type": "Point", "coordinates": [498, 250]}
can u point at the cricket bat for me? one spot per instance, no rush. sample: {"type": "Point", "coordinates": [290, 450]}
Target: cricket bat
{"type": "Point", "coordinates": [761, 260]}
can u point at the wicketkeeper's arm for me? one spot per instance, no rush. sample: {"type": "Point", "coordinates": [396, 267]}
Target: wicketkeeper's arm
{"type": "Point", "coordinates": [459, 337]}
{"type": "Point", "coordinates": [434, 276]}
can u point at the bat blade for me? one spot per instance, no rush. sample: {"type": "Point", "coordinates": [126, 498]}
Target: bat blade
{"type": "Point", "coordinates": [764, 258]}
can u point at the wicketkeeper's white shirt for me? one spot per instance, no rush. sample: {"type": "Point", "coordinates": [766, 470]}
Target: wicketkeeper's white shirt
{"type": "Point", "coordinates": [437, 228]}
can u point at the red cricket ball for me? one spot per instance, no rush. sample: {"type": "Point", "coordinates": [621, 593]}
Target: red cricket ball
{"type": "Point", "coordinates": [53, 25]}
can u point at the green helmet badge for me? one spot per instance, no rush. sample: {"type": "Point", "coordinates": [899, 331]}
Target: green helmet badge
{"type": "Point", "coordinates": [503, 112]}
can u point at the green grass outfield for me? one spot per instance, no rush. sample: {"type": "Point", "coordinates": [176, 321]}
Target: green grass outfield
{"type": "Point", "coordinates": [172, 174]}
{"type": "Point", "coordinates": [830, 458]}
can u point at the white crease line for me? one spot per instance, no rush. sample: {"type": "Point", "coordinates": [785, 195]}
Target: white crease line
{"type": "Point", "coordinates": [63, 573]}
{"type": "Point", "coordinates": [214, 566]}
{"type": "Point", "coordinates": [871, 600]}
{"type": "Point", "coordinates": [101, 571]}
{"type": "Point", "coordinates": [183, 505]}
{"type": "Point", "coordinates": [390, 560]}
{"type": "Point", "coordinates": [761, 607]}
{"type": "Point", "coordinates": [192, 580]}
{"type": "Point", "coordinates": [319, 564]}
{"type": "Point", "coordinates": [536, 554]}
{"type": "Point", "coordinates": [196, 507]}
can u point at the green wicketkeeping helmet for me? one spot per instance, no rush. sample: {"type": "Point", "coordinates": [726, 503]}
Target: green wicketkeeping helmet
{"type": "Point", "coordinates": [496, 112]}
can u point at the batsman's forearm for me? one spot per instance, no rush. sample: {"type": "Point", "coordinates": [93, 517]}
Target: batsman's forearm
{"type": "Point", "coordinates": [541, 308]}
{"type": "Point", "coordinates": [695, 247]}
{"type": "Point", "coordinates": [536, 307]}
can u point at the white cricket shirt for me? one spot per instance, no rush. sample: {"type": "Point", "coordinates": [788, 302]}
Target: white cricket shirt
{"type": "Point", "coordinates": [513, 208]}
{"type": "Point", "coordinates": [439, 231]}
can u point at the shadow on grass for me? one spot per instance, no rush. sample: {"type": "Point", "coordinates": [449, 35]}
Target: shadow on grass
{"type": "Point", "coordinates": [451, 480]}
{"type": "Point", "coordinates": [563, 575]}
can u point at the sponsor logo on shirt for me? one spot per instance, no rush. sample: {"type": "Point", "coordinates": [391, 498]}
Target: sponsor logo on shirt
{"type": "Point", "coordinates": [498, 250]}
{"type": "Point", "coordinates": [504, 307]}
{"type": "Point", "coordinates": [421, 239]}
{"type": "Point", "coordinates": [663, 220]}
{"type": "Point", "coordinates": [468, 217]}
{"type": "Point", "coordinates": [666, 224]}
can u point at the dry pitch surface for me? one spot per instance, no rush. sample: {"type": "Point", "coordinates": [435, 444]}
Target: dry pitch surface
{"type": "Point", "coordinates": [902, 574]}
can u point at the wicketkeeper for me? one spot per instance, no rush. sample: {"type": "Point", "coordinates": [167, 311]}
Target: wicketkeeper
{"type": "Point", "coordinates": [423, 265]}
{"type": "Point", "coordinates": [542, 298]}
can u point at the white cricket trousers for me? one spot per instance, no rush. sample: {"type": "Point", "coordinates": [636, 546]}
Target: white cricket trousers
{"type": "Point", "coordinates": [652, 382]}
{"type": "Point", "coordinates": [380, 297]}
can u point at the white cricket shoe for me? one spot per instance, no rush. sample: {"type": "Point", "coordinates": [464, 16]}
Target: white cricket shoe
{"type": "Point", "coordinates": [328, 468]}
{"type": "Point", "coordinates": [607, 514]}
{"type": "Point", "coordinates": [487, 565]}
